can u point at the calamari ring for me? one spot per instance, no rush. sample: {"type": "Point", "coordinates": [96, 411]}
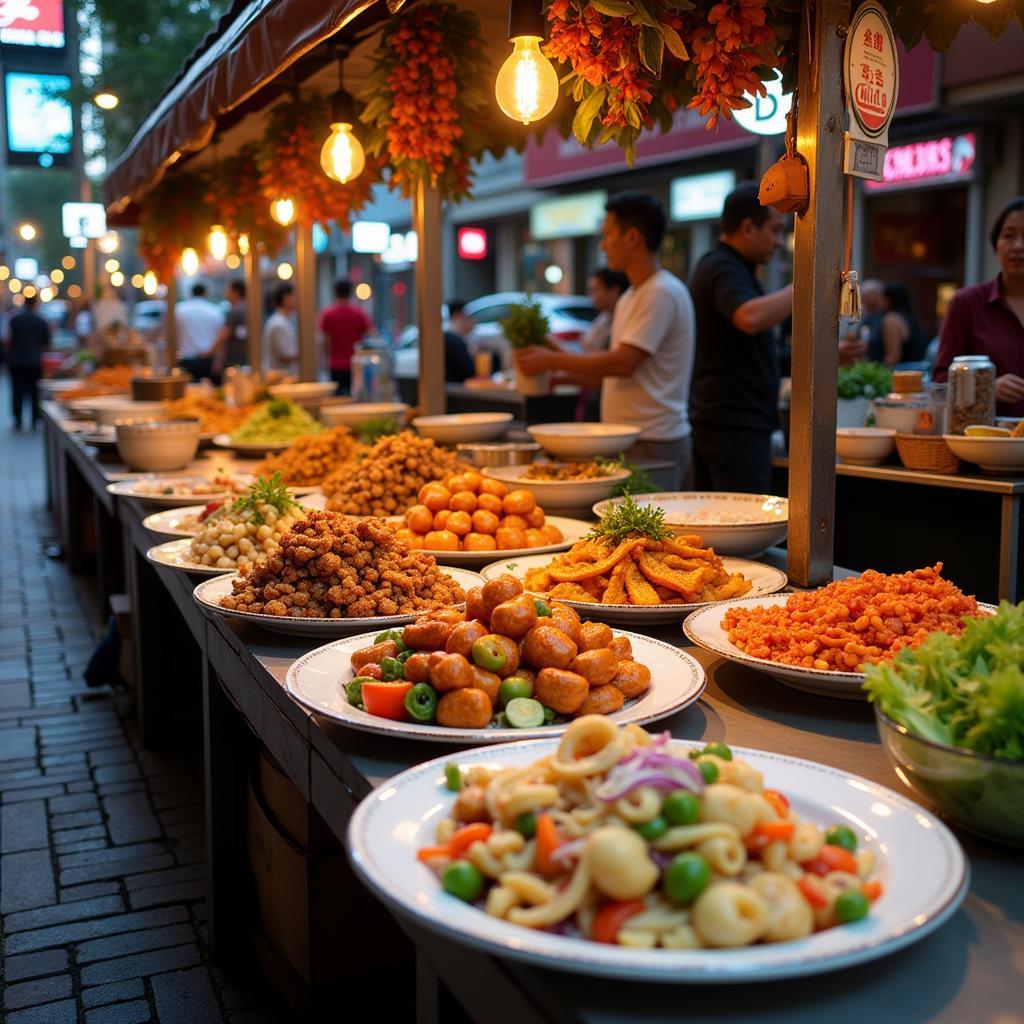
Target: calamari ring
{"type": "Point", "coordinates": [589, 746]}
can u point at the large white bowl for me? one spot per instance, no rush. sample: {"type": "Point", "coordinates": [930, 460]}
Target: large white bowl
{"type": "Point", "coordinates": [998, 454]}
{"type": "Point", "coordinates": [865, 446]}
{"type": "Point", "coordinates": [582, 441]}
{"type": "Point", "coordinates": [352, 414]}
{"type": "Point", "coordinates": [463, 427]}
{"type": "Point", "coordinates": [106, 411]}
{"type": "Point", "coordinates": [307, 393]}
{"type": "Point", "coordinates": [559, 495]}
{"type": "Point", "coordinates": [730, 522]}
{"type": "Point", "coordinates": [155, 446]}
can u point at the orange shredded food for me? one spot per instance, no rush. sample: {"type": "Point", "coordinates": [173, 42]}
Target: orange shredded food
{"type": "Point", "coordinates": [852, 622]}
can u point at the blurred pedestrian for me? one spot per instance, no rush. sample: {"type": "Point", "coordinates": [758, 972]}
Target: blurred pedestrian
{"type": "Point", "coordinates": [645, 374]}
{"type": "Point", "coordinates": [280, 339]}
{"type": "Point", "coordinates": [29, 335]}
{"type": "Point", "coordinates": [232, 345]}
{"type": "Point", "coordinates": [606, 287]}
{"type": "Point", "coordinates": [343, 325]}
{"type": "Point", "coordinates": [734, 401]}
{"type": "Point", "coordinates": [901, 338]}
{"type": "Point", "coordinates": [198, 322]}
{"type": "Point", "coordinates": [458, 363]}
{"type": "Point", "coordinates": [988, 319]}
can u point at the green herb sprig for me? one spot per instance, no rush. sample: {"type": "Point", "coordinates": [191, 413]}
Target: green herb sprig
{"type": "Point", "coordinates": [372, 430]}
{"type": "Point", "coordinates": [526, 325]}
{"type": "Point", "coordinates": [628, 519]}
{"type": "Point", "coordinates": [639, 481]}
{"type": "Point", "coordinates": [261, 492]}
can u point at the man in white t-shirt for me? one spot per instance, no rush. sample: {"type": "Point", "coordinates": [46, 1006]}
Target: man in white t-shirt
{"type": "Point", "coordinates": [198, 322]}
{"type": "Point", "coordinates": [280, 339]}
{"type": "Point", "coordinates": [646, 372]}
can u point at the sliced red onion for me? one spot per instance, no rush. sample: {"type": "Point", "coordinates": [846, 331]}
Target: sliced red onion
{"type": "Point", "coordinates": [568, 852]}
{"type": "Point", "coordinates": [651, 768]}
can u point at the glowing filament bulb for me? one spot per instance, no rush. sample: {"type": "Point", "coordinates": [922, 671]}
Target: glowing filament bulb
{"type": "Point", "coordinates": [342, 157]}
{"type": "Point", "coordinates": [527, 84]}
{"type": "Point", "coordinates": [217, 243]}
{"type": "Point", "coordinates": [189, 262]}
{"type": "Point", "coordinates": [282, 210]}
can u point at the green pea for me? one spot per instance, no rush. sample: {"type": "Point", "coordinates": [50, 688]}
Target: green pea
{"type": "Point", "coordinates": [513, 687]}
{"type": "Point", "coordinates": [526, 824]}
{"type": "Point", "coordinates": [405, 656]}
{"type": "Point", "coordinates": [390, 634]}
{"type": "Point", "coordinates": [543, 609]}
{"type": "Point", "coordinates": [694, 753]}
{"type": "Point", "coordinates": [709, 770]}
{"type": "Point", "coordinates": [463, 880]}
{"type": "Point", "coordinates": [851, 905]}
{"type": "Point", "coordinates": [391, 669]}
{"type": "Point", "coordinates": [452, 776]}
{"type": "Point", "coordinates": [719, 750]}
{"type": "Point", "coordinates": [681, 808]}
{"type": "Point", "coordinates": [686, 877]}
{"type": "Point", "coordinates": [840, 835]}
{"type": "Point", "coordinates": [653, 829]}
{"type": "Point", "coordinates": [354, 691]}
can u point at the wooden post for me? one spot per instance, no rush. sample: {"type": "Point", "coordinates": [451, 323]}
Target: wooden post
{"type": "Point", "coordinates": [426, 214]}
{"type": "Point", "coordinates": [816, 283]}
{"type": "Point", "coordinates": [305, 294]}
{"type": "Point", "coordinates": [254, 307]}
{"type": "Point", "coordinates": [170, 324]}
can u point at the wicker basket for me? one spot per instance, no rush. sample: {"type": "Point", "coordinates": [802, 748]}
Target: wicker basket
{"type": "Point", "coordinates": [926, 452]}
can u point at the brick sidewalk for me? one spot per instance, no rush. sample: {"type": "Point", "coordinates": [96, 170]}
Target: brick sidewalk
{"type": "Point", "coordinates": [101, 842]}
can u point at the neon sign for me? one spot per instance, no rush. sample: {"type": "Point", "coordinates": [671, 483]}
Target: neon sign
{"type": "Point", "coordinates": [950, 158]}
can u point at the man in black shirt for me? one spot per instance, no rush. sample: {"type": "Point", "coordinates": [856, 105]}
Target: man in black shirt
{"type": "Point", "coordinates": [29, 335]}
{"type": "Point", "coordinates": [458, 363]}
{"type": "Point", "coordinates": [734, 397]}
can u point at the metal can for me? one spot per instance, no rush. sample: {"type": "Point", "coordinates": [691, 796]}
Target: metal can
{"type": "Point", "coordinates": [972, 392]}
{"type": "Point", "coordinates": [372, 378]}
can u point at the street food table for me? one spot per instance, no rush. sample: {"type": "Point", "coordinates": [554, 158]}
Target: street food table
{"type": "Point", "coordinates": [971, 969]}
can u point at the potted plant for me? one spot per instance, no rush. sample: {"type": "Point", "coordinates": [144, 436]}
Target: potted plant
{"type": "Point", "coordinates": [527, 325]}
{"type": "Point", "coordinates": [858, 386]}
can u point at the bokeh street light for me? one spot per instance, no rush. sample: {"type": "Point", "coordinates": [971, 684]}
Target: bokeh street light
{"type": "Point", "coordinates": [27, 231]}
{"type": "Point", "coordinates": [105, 100]}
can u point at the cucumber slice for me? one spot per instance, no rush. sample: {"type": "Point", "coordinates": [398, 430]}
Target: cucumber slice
{"type": "Point", "coordinates": [524, 713]}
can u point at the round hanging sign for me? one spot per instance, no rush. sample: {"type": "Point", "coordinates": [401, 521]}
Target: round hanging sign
{"type": "Point", "coordinates": [872, 73]}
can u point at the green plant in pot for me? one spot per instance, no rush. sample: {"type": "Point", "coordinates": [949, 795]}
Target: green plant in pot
{"type": "Point", "coordinates": [858, 385]}
{"type": "Point", "coordinates": [527, 325]}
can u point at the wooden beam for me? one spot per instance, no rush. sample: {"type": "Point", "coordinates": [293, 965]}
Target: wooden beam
{"type": "Point", "coordinates": [170, 323]}
{"type": "Point", "coordinates": [254, 307]}
{"type": "Point", "coordinates": [429, 297]}
{"type": "Point", "coordinates": [305, 294]}
{"type": "Point", "coordinates": [816, 283]}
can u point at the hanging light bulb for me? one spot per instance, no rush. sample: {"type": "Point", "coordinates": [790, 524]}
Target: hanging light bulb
{"type": "Point", "coordinates": [149, 282]}
{"type": "Point", "coordinates": [341, 156]}
{"type": "Point", "coordinates": [243, 244]}
{"type": "Point", "coordinates": [189, 262]}
{"type": "Point", "coordinates": [527, 84]}
{"type": "Point", "coordinates": [282, 210]}
{"type": "Point", "coordinates": [217, 243]}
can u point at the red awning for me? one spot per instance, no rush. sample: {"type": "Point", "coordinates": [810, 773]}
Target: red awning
{"type": "Point", "coordinates": [251, 45]}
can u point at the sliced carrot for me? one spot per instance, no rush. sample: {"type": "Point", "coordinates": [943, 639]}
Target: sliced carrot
{"type": "Point", "coordinates": [873, 890]}
{"type": "Point", "coordinates": [548, 840]}
{"type": "Point", "coordinates": [608, 921]}
{"type": "Point", "coordinates": [809, 887]}
{"type": "Point", "coordinates": [778, 802]}
{"type": "Point", "coordinates": [770, 832]}
{"type": "Point", "coordinates": [430, 852]}
{"type": "Point", "coordinates": [466, 836]}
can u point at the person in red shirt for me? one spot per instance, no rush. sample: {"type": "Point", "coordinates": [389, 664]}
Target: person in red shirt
{"type": "Point", "coordinates": [988, 319]}
{"type": "Point", "coordinates": [343, 326]}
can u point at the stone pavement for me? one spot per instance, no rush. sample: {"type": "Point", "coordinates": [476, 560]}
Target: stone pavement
{"type": "Point", "coordinates": [101, 842]}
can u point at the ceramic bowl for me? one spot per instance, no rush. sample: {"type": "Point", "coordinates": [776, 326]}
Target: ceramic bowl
{"type": "Point", "coordinates": [107, 411]}
{"type": "Point", "coordinates": [463, 427]}
{"type": "Point", "coordinates": [997, 454]}
{"type": "Point", "coordinates": [156, 446]}
{"type": "Point", "coordinates": [352, 414]}
{"type": "Point", "coordinates": [509, 453]}
{"type": "Point", "coordinates": [865, 446]}
{"type": "Point", "coordinates": [558, 496]}
{"type": "Point", "coordinates": [576, 442]}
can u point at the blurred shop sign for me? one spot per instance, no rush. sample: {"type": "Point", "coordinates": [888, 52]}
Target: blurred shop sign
{"type": "Point", "coordinates": [472, 243]}
{"type": "Point", "coordinates": [32, 23]}
{"type": "Point", "coordinates": [401, 251]}
{"type": "Point", "coordinates": [568, 216]}
{"type": "Point", "coordinates": [931, 162]}
{"type": "Point", "coordinates": [766, 114]}
{"type": "Point", "coordinates": [370, 236]}
{"type": "Point", "coordinates": [700, 196]}
{"type": "Point", "coordinates": [85, 220]}
{"type": "Point", "coordinates": [26, 268]}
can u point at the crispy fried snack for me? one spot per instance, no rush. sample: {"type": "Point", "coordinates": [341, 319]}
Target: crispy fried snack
{"type": "Point", "coordinates": [566, 592]}
{"type": "Point", "coordinates": [637, 588]}
{"type": "Point", "coordinates": [616, 592]}
{"type": "Point", "coordinates": [1018, 431]}
{"type": "Point", "coordinates": [573, 573]}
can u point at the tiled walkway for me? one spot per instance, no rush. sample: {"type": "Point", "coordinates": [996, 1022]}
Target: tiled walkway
{"type": "Point", "coordinates": [101, 842]}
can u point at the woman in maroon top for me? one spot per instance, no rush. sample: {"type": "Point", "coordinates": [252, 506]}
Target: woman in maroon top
{"type": "Point", "coordinates": [988, 319]}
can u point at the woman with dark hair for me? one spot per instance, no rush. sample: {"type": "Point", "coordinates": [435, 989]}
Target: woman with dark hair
{"type": "Point", "coordinates": [901, 338]}
{"type": "Point", "coordinates": [988, 319]}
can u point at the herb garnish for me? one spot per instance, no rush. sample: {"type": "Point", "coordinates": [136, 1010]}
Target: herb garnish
{"type": "Point", "coordinates": [265, 492]}
{"type": "Point", "coordinates": [639, 481]}
{"type": "Point", "coordinates": [627, 519]}
{"type": "Point", "coordinates": [372, 430]}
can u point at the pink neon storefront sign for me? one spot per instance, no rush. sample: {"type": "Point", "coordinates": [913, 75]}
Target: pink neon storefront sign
{"type": "Point", "coordinates": [950, 158]}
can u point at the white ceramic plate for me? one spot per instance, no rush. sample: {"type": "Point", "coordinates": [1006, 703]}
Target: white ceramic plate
{"type": "Point", "coordinates": [317, 681]}
{"type": "Point", "coordinates": [129, 488]}
{"type": "Point", "coordinates": [208, 596]}
{"type": "Point", "coordinates": [580, 442]}
{"type": "Point", "coordinates": [559, 495]}
{"type": "Point", "coordinates": [920, 865]}
{"type": "Point", "coordinates": [170, 521]}
{"type": "Point", "coordinates": [251, 450]}
{"type": "Point", "coordinates": [572, 531]}
{"type": "Point", "coordinates": [765, 580]}
{"type": "Point", "coordinates": [996, 454]}
{"type": "Point", "coordinates": [463, 427]}
{"type": "Point", "coordinates": [704, 628]}
{"type": "Point", "coordinates": [743, 538]}
{"type": "Point", "coordinates": [177, 554]}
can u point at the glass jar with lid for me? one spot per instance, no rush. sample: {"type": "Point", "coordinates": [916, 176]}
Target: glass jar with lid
{"type": "Point", "coordinates": [908, 408]}
{"type": "Point", "coordinates": [972, 392]}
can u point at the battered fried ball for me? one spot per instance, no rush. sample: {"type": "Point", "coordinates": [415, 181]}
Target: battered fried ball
{"type": "Point", "coordinates": [489, 682]}
{"type": "Point", "coordinates": [451, 672]}
{"type": "Point", "coordinates": [594, 635]}
{"type": "Point", "coordinates": [621, 648]}
{"type": "Point", "coordinates": [476, 608]}
{"type": "Point", "coordinates": [427, 634]}
{"type": "Point", "coordinates": [602, 700]}
{"type": "Point", "coordinates": [514, 618]}
{"type": "Point", "coordinates": [562, 691]}
{"type": "Point", "coordinates": [499, 590]}
{"type": "Point", "coordinates": [333, 566]}
{"type": "Point", "coordinates": [598, 667]}
{"type": "Point", "coordinates": [419, 665]}
{"type": "Point", "coordinates": [464, 635]}
{"type": "Point", "coordinates": [566, 619]}
{"type": "Point", "coordinates": [632, 679]}
{"type": "Point", "coordinates": [548, 647]}
{"type": "Point", "coordinates": [468, 708]}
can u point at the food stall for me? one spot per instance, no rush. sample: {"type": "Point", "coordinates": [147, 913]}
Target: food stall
{"type": "Point", "coordinates": [321, 754]}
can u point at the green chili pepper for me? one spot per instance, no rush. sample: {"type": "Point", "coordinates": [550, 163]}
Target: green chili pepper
{"type": "Point", "coordinates": [354, 691]}
{"type": "Point", "coordinates": [421, 702]}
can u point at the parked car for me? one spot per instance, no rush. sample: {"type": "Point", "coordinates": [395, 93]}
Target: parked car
{"type": "Point", "coordinates": [569, 315]}
{"type": "Point", "coordinates": [148, 317]}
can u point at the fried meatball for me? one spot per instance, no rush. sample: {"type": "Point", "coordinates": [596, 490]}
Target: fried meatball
{"type": "Point", "coordinates": [560, 690]}
{"type": "Point", "coordinates": [502, 589]}
{"type": "Point", "coordinates": [514, 618]}
{"type": "Point", "coordinates": [427, 635]}
{"type": "Point", "coordinates": [464, 635]}
{"type": "Point", "coordinates": [598, 667]}
{"type": "Point", "coordinates": [489, 682]}
{"type": "Point", "coordinates": [451, 672]}
{"type": "Point", "coordinates": [592, 635]}
{"type": "Point", "coordinates": [621, 648]}
{"type": "Point", "coordinates": [419, 665]}
{"type": "Point", "coordinates": [470, 805]}
{"type": "Point", "coordinates": [602, 700]}
{"type": "Point", "coordinates": [566, 619]}
{"type": "Point", "coordinates": [632, 679]}
{"type": "Point", "coordinates": [548, 647]}
{"type": "Point", "coordinates": [468, 708]}
{"type": "Point", "coordinates": [509, 648]}
{"type": "Point", "coordinates": [475, 607]}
